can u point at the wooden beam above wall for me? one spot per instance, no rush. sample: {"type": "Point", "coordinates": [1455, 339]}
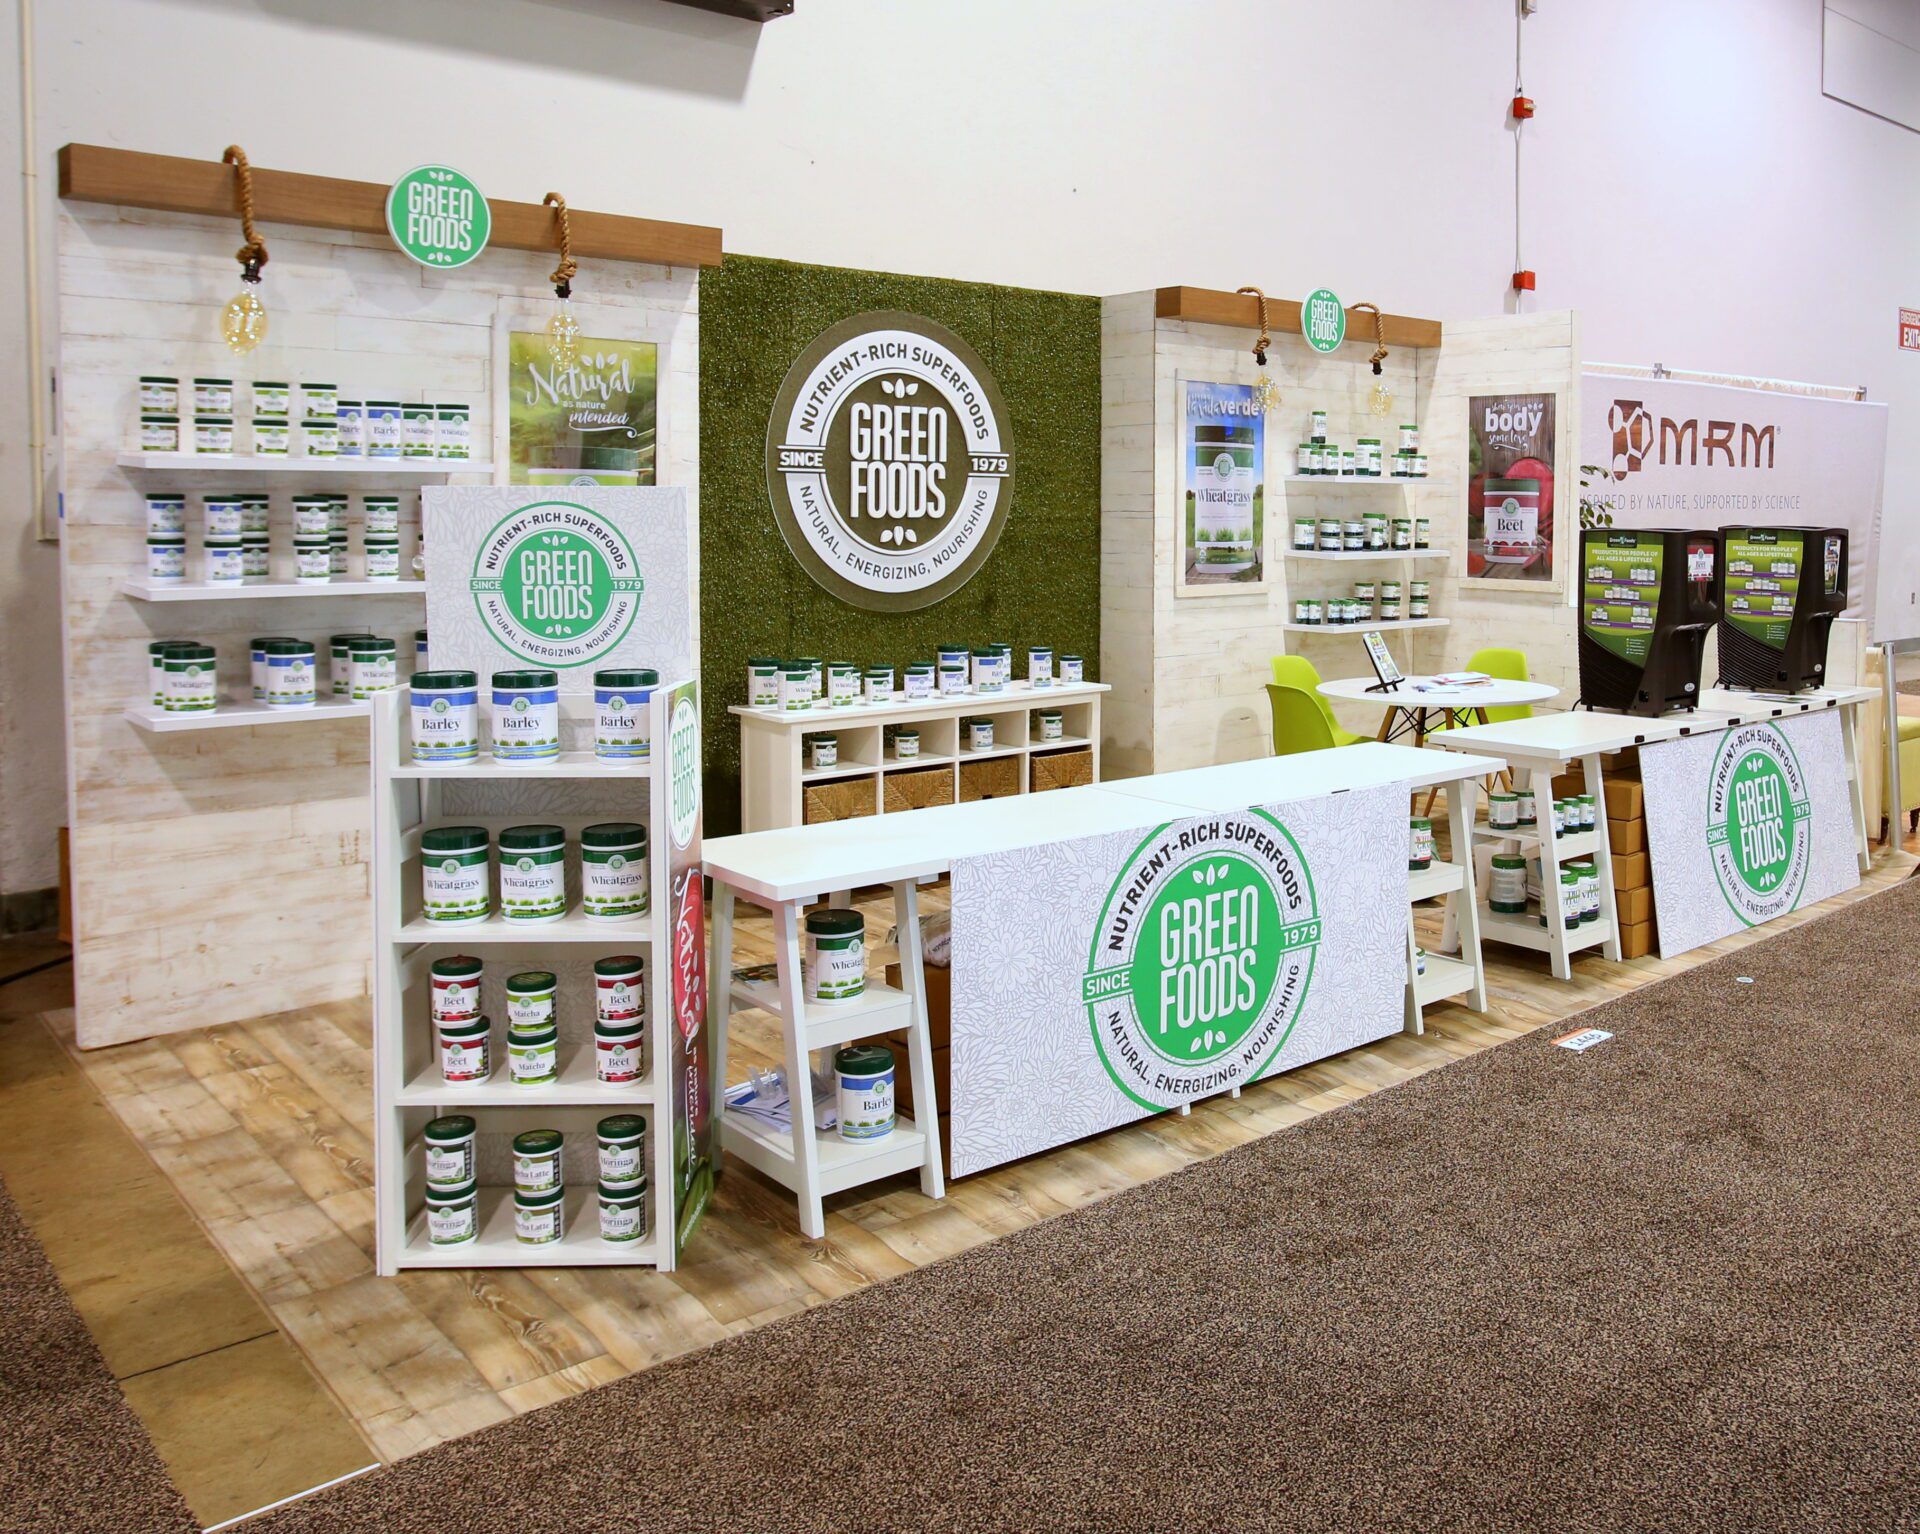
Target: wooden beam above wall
{"type": "Point", "coordinates": [1209, 306]}
{"type": "Point", "coordinates": [170, 184]}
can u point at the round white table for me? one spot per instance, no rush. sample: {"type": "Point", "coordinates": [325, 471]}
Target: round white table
{"type": "Point", "coordinates": [1419, 705]}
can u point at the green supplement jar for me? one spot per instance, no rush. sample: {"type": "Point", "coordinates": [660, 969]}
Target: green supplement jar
{"type": "Point", "coordinates": [1508, 887]}
{"type": "Point", "coordinates": [533, 873]}
{"type": "Point", "coordinates": [454, 988]}
{"type": "Point", "coordinates": [796, 687]}
{"type": "Point", "coordinates": [536, 1159]}
{"type": "Point", "coordinates": [1503, 811]}
{"type": "Point", "coordinates": [623, 1213]}
{"type": "Point", "coordinates": [191, 679]}
{"type": "Point", "coordinates": [835, 962]}
{"type": "Point", "coordinates": [763, 682]}
{"type": "Point", "coordinates": [533, 1059]}
{"type": "Point", "coordinates": [453, 1214]}
{"type": "Point", "coordinates": [539, 1219]}
{"type": "Point", "coordinates": [863, 1075]}
{"type": "Point", "coordinates": [531, 1002]}
{"type": "Point", "coordinates": [1419, 843]}
{"type": "Point", "coordinates": [453, 874]}
{"type": "Point", "coordinates": [466, 1049]}
{"type": "Point", "coordinates": [613, 871]}
{"type": "Point", "coordinates": [449, 1151]}
{"type": "Point", "coordinates": [623, 1150]}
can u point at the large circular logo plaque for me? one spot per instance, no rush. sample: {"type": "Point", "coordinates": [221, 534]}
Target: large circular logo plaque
{"type": "Point", "coordinates": [889, 462]}
{"type": "Point", "coordinates": [1758, 836]}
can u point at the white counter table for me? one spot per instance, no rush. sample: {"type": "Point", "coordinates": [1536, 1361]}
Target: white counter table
{"type": "Point", "coordinates": [785, 870]}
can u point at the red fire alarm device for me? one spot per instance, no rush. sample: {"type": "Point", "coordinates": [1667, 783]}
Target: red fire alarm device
{"type": "Point", "coordinates": [1522, 107]}
{"type": "Point", "coordinates": [1523, 282]}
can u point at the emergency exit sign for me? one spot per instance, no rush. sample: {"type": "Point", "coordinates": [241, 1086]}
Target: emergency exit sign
{"type": "Point", "coordinates": [1910, 330]}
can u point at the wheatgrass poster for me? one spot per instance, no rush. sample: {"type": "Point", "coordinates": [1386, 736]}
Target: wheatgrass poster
{"type": "Point", "coordinates": [1223, 470]}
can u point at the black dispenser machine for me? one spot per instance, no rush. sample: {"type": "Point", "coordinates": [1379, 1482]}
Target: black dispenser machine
{"type": "Point", "coordinates": [1780, 590]}
{"type": "Point", "coordinates": [1647, 601]}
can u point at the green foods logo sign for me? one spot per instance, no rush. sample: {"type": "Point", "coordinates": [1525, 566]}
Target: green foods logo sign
{"type": "Point", "coordinates": [438, 217]}
{"type": "Point", "coordinates": [1201, 958]}
{"type": "Point", "coordinates": [889, 463]}
{"type": "Point", "coordinates": [1759, 836]}
{"type": "Point", "coordinates": [1323, 320]}
{"type": "Point", "coordinates": [683, 769]}
{"type": "Point", "coordinates": [556, 583]}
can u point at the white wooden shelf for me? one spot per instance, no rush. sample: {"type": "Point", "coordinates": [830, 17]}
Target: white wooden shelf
{"type": "Point", "coordinates": [1580, 844]}
{"type": "Point", "coordinates": [256, 466]}
{"type": "Point", "coordinates": [228, 591]}
{"type": "Point", "coordinates": [1338, 556]}
{"type": "Point", "coordinates": [842, 1164]}
{"type": "Point", "coordinates": [496, 1246]}
{"type": "Point", "coordinates": [570, 764]}
{"type": "Point", "coordinates": [1527, 932]}
{"type": "Point", "coordinates": [240, 714]}
{"type": "Point", "coordinates": [1444, 977]}
{"type": "Point", "coordinates": [877, 1009]}
{"type": "Point", "coordinates": [577, 1086]}
{"type": "Point", "coordinates": [1435, 880]}
{"type": "Point", "coordinates": [925, 759]}
{"type": "Point", "coordinates": [571, 928]}
{"type": "Point", "coordinates": [1375, 625]}
{"type": "Point", "coordinates": [1038, 747]}
{"type": "Point", "coordinates": [1398, 481]}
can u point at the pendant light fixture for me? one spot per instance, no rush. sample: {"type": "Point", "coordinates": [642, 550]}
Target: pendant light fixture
{"type": "Point", "coordinates": [563, 330]}
{"type": "Point", "coordinates": [1266, 392]}
{"type": "Point", "coordinates": [243, 323]}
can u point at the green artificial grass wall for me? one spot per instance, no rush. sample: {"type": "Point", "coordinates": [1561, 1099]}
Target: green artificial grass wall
{"type": "Point", "coordinates": [1042, 583]}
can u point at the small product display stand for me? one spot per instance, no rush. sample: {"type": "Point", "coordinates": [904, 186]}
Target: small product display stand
{"type": "Point", "coordinates": [409, 1087]}
{"type": "Point", "coordinates": [788, 869]}
{"type": "Point", "coordinates": [774, 777]}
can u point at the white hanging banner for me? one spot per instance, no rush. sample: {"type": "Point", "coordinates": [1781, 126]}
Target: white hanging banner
{"type": "Point", "coordinates": [1698, 455]}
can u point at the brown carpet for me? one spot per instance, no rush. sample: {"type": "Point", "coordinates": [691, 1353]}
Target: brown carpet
{"type": "Point", "coordinates": [72, 1454]}
{"type": "Point", "coordinates": [1669, 1284]}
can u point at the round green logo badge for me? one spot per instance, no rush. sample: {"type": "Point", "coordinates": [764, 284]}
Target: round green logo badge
{"type": "Point", "coordinates": [683, 770]}
{"type": "Point", "coordinates": [438, 217]}
{"type": "Point", "coordinates": [1759, 837]}
{"type": "Point", "coordinates": [1323, 320]}
{"type": "Point", "coordinates": [1201, 958]}
{"type": "Point", "coordinates": [556, 583]}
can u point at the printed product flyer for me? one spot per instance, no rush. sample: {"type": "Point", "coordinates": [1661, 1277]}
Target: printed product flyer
{"type": "Point", "coordinates": [1620, 593]}
{"type": "Point", "coordinates": [1763, 583]}
{"type": "Point", "coordinates": [1510, 497]}
{"type": "Point", "coordinates": [1223, 463]}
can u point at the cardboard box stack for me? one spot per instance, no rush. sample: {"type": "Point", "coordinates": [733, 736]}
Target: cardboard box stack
{"type": "Point", "coordinates": [1627, 840]}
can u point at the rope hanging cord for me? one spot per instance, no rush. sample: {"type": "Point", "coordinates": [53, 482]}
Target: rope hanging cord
{"type": "Point", "coordinates": [1259, 346]}
{"type": "Point", "coordinates": [252, 255]}
{"type": "Point", "coordinates": [1379, 335]}
{"type": "Point", "coordinates": [562, 275]}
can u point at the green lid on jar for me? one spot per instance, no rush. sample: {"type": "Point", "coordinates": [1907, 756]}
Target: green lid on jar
{"type": "Point", "coordinates": [532, 838]}
{"type": "Point", "coordinates": [530, 982]}
{"type": "Point", "coordinates": [533, 1039]}
{"type": "Point", "coordinates": [1503, 486]}
{"type": "Point", "coordinates": [621, 1126]}
{"type": "Point", "coordinates": [525, 680]}
{"type": "Point", "coordinates": [455, 1126]}
{"type": "Point", "coordinates": [340, 641]}
{"type": "Point", "coordinates": [620, 964]}
{"type": "Point", "coordinates": [863, 1060]}
{"type": "Point", "coordinates": [543, 1198]}
{"type": "Point", "coordinates": [836, 921]}
{"type": "Point", "coordinates": [613, 835]}
{"type": "Point", "coordinates": [1509, 860]}
{"type": "Point", "coordinates": [443, 681]}
{"type": "Point", "coordinates": [537, 1142]}
{"type": "Point", "coordinates": [920, 668]}
{"type": "Point", "coordinates": [203, 419]}
{"type": "Point", "coordinates": [461, 1193]}
{"type": "Point", "coordinates": [167, 646]}
{"type": "Point", "coordinates": [633, 1193]}
{"type": "Point", "coordinates": [763, 660]}
{"type": "Point", "coordinates": [457, 966]}
{"type": "Point", "coordinates": [473, 1028]}
{"type": "Point", "coordinates": [618, 1028]}
{"type": "Point", "coordinates": [453, 405]}
{"type": "Point", "coordinates": [166, 540]}
{"type": "Point", "coordinates": [263, 642]}
{"type": "Point", "coordinates": [286, 647]}
{"type": "Point", "coordinates": [636, 676]}
{"type": "Point", "coordinates": [1050, 713]}
{"type": "Point", "coordinates": [376, 540]}
{"type": "Point", "coordinates": [454, 839]}
{"type": "Point", "coordinates": [371, 644]}
{"type": "Point", "coordinates": [796, 668]}
{"type": "Point", "coordinates": [412, 409]}
{"type": "Point", "coordinates": [158, 378]}
{"type": "Point", "coordinates": [188, 650]}
{"type": "Point", "coordinates": [209, 378]}
{"type": "Point", "coordinates": [1070, 657]}
{"type": "Point", "coordinates": [159, 418]}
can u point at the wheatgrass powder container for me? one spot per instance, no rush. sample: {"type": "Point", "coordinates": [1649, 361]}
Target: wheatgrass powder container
{"type": "Point", "coordinates": [466, 1049]}
{"type": "Point", "coordinates": [319, 399]}
{"type": "Point", "coordinates": [533, 1059]}
{"type": "Point", "coordinates": [623, 1151]}
{"type": "Point", "coordinates": [796, 687]}
{"type": "Point", "coordinates": [1305, 531]}
{"type": "Point", "coordinates": [157, 667]}
{"type": "Point", "coordinates": [337, 553]}
{"type": "Point", "coordinates": [877, 684]}
{"type": "Point", "coordinates": [444, 716]}
{"type": "Point", "coordinates": [320, 436]}
{"type": "Point", "coordinates": [453, 431]}
{"type": "Point", "coordinates": [381, 515]}
{"type": "Point", "coordinates": [763, 682]}
{"type": "Point", "coordinates": [532, 1002]}
{"type": "Point", "coordinates": [454, 884]}
{"type": "Point", "coordinates": [536, 1159]}
{"type": "Point", "coordinates": [816, 676]}
{"type": "Point", "coordinates": [313, 559]}
{"type": "Point", "coordinates": [620, 701]}
{"type": "Point", "coordinates": [256, 556]}
{"type": "Point", "coordinates": [340, 663]}
{"type": "Point", "coordinates": [166, 558]}
{"type": "Point", "coordinates": [618, 994]}
{"type": "Point", "coordinates": [539, 1219]}
{"type": "Point", "coordinates": [823, 751]}
{"type": "Point", "coordinates": [418, 431]}
{"type": "Point", "coordinates": [449, 1150]}
{"type": "Point", "coordinates": [271, 437]}
{"type": "Point", "coordinates": [843, 684]}
{"type": "Point", "coordinates": [258, 512]}
{"type": "Point", "coordinates": [623, 1213]}
{"type": "Point", "coordinates": [526, 716]}
{"type": "Point", "coordinates": [373, 666]}
{"type": "Point", "coordinates": [453, 1214]}
{"type": "Point", "coordinates": [291, 674]}
{"type": "Point", "coordinates": [382, 551]}
{"type": "Point", "coordinates": [619, 1053]}
{"type": "Point", "coordinates": [613, 871]}
{"type": "Point", "coordinates": [453, 983]}
{"type": "Point", "coordinates": [533, 873]}
{"type": "Point", "coordinates": [191, 679]}
{"type": "Point", "coordinates": [834, 963]}
{"type": "Point", "coordinates": [312, 516]}
{"type": "Point", "coordinates": [863, 1075]}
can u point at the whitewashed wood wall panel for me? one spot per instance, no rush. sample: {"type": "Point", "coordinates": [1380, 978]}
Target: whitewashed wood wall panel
{"type": "Point", "coordinates": [222, 874]}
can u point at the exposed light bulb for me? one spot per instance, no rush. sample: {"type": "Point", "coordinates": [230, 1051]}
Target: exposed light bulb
{"type": "Point", "coordinates": [243, 323]}
{"type": "Point", "coordinates": [563, 333]}
{"type": "Point", "coordinates": [1380, 399]}
{"type": "Point", "coordinates": [1266, 394]}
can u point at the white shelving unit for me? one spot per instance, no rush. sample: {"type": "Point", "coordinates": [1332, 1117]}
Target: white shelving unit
{"type": "Point", "coordinates": [1375, 625]}
{"type": "Point", "coordinates": [1445, 975]}
{"type": "Point", "coordinates": [1349, 556]}
{"type": "Point", "coordinates": [251, 466]}
{"type": "Point", "coordinates": [408, 1087]}
{"type": "Point", "coordinates": [239, 713]}
{"type": "Point", "coordinates": [200, 591]}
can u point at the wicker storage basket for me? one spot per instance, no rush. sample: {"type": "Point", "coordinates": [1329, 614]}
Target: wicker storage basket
{"type": "Point", "coordinates": [1061, 769]}
{"type": "Point", "coordinates": [995, 778]}
{"type": "Point", "coordinates": [917, 789]}
{"type": "Point", "coordinates": [842, 799]}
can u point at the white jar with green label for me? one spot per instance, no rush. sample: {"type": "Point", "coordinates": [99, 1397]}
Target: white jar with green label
{"type": "Point", "coordinates": [906, 745]}
{"type": "Point", "coordinates": [213, 396]}
{"type": "Point", "coordinates": [539, 1219]}
{"type": "Point", "coordinates": [621, 697]}
{"type": "Point", "coordinates": [834, 963]}
{"type": "Point", "coordinates": [613, 871]}
{"type": "Point", "coordinates": [320, 436]}
{"type": "Point", "coordinates": [1419, 843]}
{"type": "Point", "coordinates": [623, 1213]}
{"type": "Point", "coordinates": [876, 684]}
{"type": "Point", "coordinates": [1503, 811]}
{"type": "Point", "coordinates": [159, 432]}
{"type": "Point", "coordinates": [796, 687]}
{"type": "Point", "coordinates": [1051, 724]}
{"type": "Point", "coordinates": [763, 682]}
{"type": "Point", "coordinates": [1305, 530]}
{"type": "Point", "coordinates": [373, 666]}
{"type": "Point", "coordinates": [313, 560]}
{"type": "Point", "coordinates": [1376, 525]}
{"type": "Point", "coordinates": [312, 516]}
{"type": "Point", "coordinates": [466, 1049]}
{"type": "Point", "coordinates": [623, 1150]}
{"type": "Point", "coordinates": [1507, 889]}
{"type": "Point", "coordinates": [271, 436]}
{"type": "Point", "coordinates": [225, 561]}
{"type": "Point", "coordinates": [292, 677]}
{"type": "Point", "coordinates": [383, 557]}
{"type": "Point", "coordinates": [191, 679]}
{"type": "Point", "coordinates": [1305, 458]}
{"type": "Point", "coordinates": [445, 716]}
{"type": "Point", "coordinates": [337, 553]}
{"type": "Point", "coordinates": [864, 1102]}
{"type": "Point", "coordinates": [1220, 490]}
{"type": "Point", "coordinates": [816, 676]}
{"type": "Point", "coordinates": [536, 1159]}
{"type": "Point", "coordinates": [382, 514]}
{"type": "Point", "coordinates": [1317, 425]}
{"type": "Point", "coordinates": [350, 428]}
{"type": "Point", "coordinates": [823, 751]}
{"type": "Point", "coordinates": [533, 873]}
{"type": "Point", "coordinates": [256, 557]}
{"type": "Point", "coordinates": [448, 1143]}
{"type": "Point", "coordinates": [157, 667]}
{"type": "Point", "coordinates": [453, 430]}
{"type": "Point", "coordinates": [619, 1053]}
{"type": "Point", "coordinates": [526, 717]}
{"type": "Point", "coordinates": [159, 394]}
{"type": "Point", "coordinates": [453, 1214]}
{"type": "Point", "coordinates": [918, 680]}
{"type": "Point", "coordinates": [418, 431]}
{"type": "Point", "coordinates": [166, 558]}
{"type": "Point", "coordinates": [340, 664]}
{"type": "Point", "coordinates": [533, 1059]}
{"type": "Point", "coordinates": [454, 885]}
{"type": "Point", "coordinates": [533, 1002]}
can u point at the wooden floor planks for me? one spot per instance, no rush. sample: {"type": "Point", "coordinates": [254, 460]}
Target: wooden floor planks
{"type": "Point", "coordinates": [263, 1128]}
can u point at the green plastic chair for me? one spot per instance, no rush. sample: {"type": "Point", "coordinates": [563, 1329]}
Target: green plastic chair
{"type": "Point", "coordinates": [1302, 721]}
{"type": "Point", "coordinates": [1508, 666]}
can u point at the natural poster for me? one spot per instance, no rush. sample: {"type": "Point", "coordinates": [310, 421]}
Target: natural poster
{"type": "Point", "coordinates": [1104, 978]}
{"type": "Point", "coordinates": [1223, 471]}
{"type": "Point", "coordinates": [1510, 504]}
{"type": "Point", "coordinates": [592, 419]}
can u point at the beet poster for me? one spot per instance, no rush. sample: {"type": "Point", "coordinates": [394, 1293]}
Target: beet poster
{"type": "Point", "coordinates": [1510, 492]}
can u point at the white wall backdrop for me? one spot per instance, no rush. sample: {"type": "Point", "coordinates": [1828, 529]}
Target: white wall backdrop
{"type": "Point", "coordinates": [1687, 186]}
